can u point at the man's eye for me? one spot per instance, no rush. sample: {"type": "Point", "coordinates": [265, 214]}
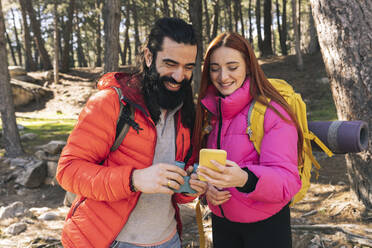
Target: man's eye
{"type": "Point", "coordinates": [189, 68]}
{"type": "Point", "coordinates": [169, 64]}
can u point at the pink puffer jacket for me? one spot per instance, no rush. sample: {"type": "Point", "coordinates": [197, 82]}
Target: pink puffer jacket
{"type": "Point", "coordinates": [276, 167]}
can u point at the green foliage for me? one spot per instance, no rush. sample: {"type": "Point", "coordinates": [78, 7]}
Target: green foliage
{"type": "Point", "coordinates": [323, 110]}
{"type": "Point", "coordinates": [45, 129]}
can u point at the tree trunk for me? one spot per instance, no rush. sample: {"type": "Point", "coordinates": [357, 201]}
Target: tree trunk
{"type": "Point", "coordinates": [67, 34]}
{"type": "Point", "coordinates": [98, 62]}
{"type": "Point", "coordinates": [56, 47]}
{"type": "Point", "coordinates": [195, 12]}
{"type": "Point", "coordinates": [88, 47]}
{"type": "Point", "coordinates": [344, 30]}
{"type": "Point", "coordinates": [11, 139]}
{"type": "Point", "coordinates": [207, 21]}
{"type": "Point", "coordinates": [267, 44]}
{"type": "Point", "coordinates": [299, 19]}
{"type": "Point", "coordinates": [258, 26]}
{"type": "Point", "coordinates": [126, 38]}
{"type": "Point", "coordinates": [238, 16]}
{"type": "Point", "coordinates": [273, 40]}
{"type": "Point", "coordinates": [29, 61]}
{"type": "Point", "coordinates": [111, 27]}
{"type": "Point", "coordinates": [11, 48]}
{"type": "Point", "coordinates": [166, 12]}
{"type": "Point", "coordinates": [80, 52]}
{"type": "Point", "coordinates": [300, 64]}
{"type": "Point", "coordinates": [216, 14]}
{"type": "Point", "coordinates": [72, 58]}
{"type": "Point", "coordinates": [228, 15]}
{"type": "Point", "coordinates": [241, 18]}
{"type": "Point", "coordinates": [19, 46]}
{"type": "Point", "coordinates": [137, 43]}
{"type": "Point", "coordinates": [282, 28]}
{"type": "Point", "coordinates": [174, 8]}
{"type": "Point", "coordinates": [250, 22]}
{"type": "Point", "coordinates": [62, 27]}
{"type": "Point", "coordinates": [313, 45]}
{"type": "Point", "coordinates": [36, 54]}
{"type": "Point", "coordinates": [35, 25]}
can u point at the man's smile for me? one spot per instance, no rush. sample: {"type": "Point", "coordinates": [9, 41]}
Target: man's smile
{"type": "Point", "coordinates": [172, 86]}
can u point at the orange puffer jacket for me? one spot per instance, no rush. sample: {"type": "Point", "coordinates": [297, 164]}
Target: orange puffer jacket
{"type": "Point", "coordinates": [99, 177]}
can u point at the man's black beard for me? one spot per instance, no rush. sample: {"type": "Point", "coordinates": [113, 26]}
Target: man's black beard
{"type": "Point", "coordinates": [168, 99]}
{"type": "Point", "coordinates": [157, 96]}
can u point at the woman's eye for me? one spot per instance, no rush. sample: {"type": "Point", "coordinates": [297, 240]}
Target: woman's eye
{"type": "Point", "coordinates": [214, 69]}
{"type": "Point", "coordinates": [233, 68]}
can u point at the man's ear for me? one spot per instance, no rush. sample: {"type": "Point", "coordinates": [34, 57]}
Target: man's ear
{"type": "Point", "coordinates": [148, 57]}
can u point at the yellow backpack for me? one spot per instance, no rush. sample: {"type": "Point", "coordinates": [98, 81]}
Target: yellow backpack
{"type": "Point", "coordinates": [255, 119]}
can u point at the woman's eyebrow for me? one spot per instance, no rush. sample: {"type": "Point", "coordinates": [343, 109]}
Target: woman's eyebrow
{"type": "Point", "coordinates": [232, 62]}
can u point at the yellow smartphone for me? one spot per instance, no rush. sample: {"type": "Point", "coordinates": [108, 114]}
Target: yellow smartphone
{"type": "Point", "coordinates": [206, 155]}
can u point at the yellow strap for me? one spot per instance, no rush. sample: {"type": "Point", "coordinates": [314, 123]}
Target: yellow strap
{"type": "Point", "coordinates": [311, 136]}
{"type": "Point", "coordinates": [199, 221]}
{"type": "Point", "coordinates": [313, 160]}
{"type": "Point", "coordinates": [257, 121]}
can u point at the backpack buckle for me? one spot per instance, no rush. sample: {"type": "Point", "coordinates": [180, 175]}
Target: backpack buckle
{"type": "Point", "coordinates": [249, 131]}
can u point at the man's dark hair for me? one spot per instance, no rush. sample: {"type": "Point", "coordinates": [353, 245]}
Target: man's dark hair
{"type": "Point", "coordinates": [179, 31]}
{"type": "Point", "coordinates": [173, 28]}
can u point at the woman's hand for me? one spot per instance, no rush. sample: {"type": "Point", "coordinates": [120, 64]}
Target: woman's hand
{"type": "Point", "coordinates": [230, 175]}
{"type": "Point", "coordinates": [199, 186]}
{"type": "Point", "coordinates": [217, 197]}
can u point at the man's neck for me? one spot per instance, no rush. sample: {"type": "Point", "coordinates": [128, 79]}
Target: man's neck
{"type": "Point", "coordinates": [163, 112]}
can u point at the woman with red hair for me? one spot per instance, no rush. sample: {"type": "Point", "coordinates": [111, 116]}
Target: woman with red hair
{"type": "Point", "coordinates": [249, 197]}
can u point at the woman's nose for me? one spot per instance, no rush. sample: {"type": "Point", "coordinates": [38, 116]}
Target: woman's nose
{"type": "Point", "coordinates": [224, 75]}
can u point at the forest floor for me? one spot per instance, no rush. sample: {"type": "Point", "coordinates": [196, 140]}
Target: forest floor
{"type": "Point", "coordinates": [328, 216]}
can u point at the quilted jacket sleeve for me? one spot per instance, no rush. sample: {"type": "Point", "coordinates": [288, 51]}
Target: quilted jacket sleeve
{"type": "Point", "coordinates": [79, 170]}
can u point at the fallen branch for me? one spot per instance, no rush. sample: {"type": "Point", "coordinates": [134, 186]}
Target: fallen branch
{"type": "Point", "coordinates": [312, 212]}
{"type": "Point", "coordinates": [352, 237]}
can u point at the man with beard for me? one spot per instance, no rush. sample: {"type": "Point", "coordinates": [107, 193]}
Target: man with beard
{"type": "Point", "coordinates": [126, 197]}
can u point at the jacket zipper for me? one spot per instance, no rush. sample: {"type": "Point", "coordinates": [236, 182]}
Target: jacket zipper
{"type": "Point", "coordinates": [183, 145]}
{"type": "Point", "coordinates": [77, 205]}
{"type": "Point", "coordinates": [219, 141]}
{"type": "Point", "coordinates": [219, 124]}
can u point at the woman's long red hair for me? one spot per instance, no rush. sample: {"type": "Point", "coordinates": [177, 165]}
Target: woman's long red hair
{"type": "Point", "coordinates": [260, 87]}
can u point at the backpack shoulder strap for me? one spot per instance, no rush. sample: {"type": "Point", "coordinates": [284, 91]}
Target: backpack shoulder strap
{"type": "Point", "coordinates": [255, 121]}
{"type": "Point", "coordinates": [257, 110]}
{"type": "Point", "coordinates": [122, 126]}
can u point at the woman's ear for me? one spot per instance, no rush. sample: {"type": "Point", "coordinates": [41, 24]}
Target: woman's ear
{"type": "Point", "coordinates": [148, 57]}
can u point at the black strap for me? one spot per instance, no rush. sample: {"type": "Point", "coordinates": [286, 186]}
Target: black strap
{"type": "Point", "coordinates": [188, 155]}
{"type": "Point", "coordinates": [125, 121]}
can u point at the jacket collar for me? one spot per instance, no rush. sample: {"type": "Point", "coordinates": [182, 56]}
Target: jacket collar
{"type": "Point", "coordinates": [130, 85]}
{"type": "Point", "coordinates": [230, 105]}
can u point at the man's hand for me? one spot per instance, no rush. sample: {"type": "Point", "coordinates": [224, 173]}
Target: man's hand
{"type": "Point", "coordinates": [158, 178]}
{"type": "Point", "coordinates": [230, 175]}
{"type": "Point", "coordinates": [217, 197]}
